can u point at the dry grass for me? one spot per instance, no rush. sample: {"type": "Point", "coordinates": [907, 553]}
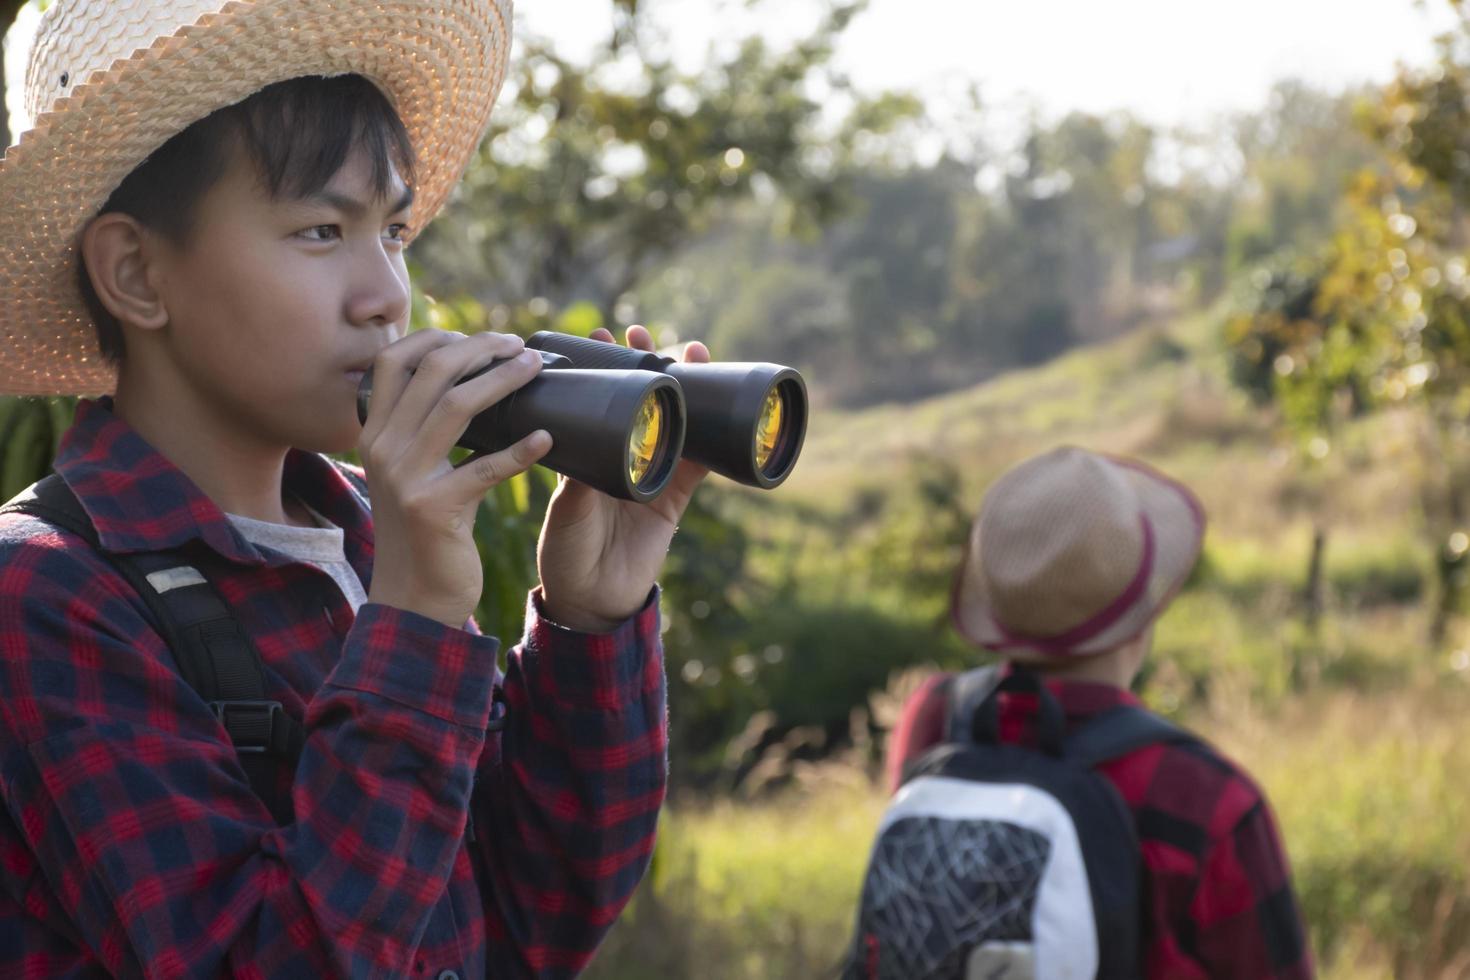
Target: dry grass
{"type": "Point", "coordinates": [1369, 792]}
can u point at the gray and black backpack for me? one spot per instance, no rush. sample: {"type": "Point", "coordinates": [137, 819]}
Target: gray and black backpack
{"type": "Point", "coordinates": [1005, 862]}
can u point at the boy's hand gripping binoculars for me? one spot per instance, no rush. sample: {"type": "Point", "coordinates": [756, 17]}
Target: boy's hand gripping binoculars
{"type": "Point", "coordinates": [621, 418]}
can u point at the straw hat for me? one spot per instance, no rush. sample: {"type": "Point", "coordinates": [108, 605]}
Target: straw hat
{"type": "Point", "coordinates": [1075, 554]}
{"type": "Point", "coordinates": [110, 81]}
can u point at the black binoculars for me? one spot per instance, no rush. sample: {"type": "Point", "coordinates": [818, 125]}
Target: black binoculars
{"type": "Point", "coordinates": [620, 419]}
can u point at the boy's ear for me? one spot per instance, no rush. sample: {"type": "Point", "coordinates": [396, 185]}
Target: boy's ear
{"type": "Point", "coordinates": [118, 251]}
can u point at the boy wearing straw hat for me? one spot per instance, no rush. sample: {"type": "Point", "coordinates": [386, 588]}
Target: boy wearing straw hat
{"type": "Point", "coordinates": [1072, 559]}
{"type": "Point", "coordinates": [206, 227]}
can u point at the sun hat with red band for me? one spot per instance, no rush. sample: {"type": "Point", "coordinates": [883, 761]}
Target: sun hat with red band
{"type": "Point", "coordinates": [1075, 554]}
{"type": "Point", "coordinates": [110, 81]}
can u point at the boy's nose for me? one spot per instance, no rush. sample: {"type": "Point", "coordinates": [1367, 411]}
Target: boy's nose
{"type": "Point", "coordinates": [380, 291]}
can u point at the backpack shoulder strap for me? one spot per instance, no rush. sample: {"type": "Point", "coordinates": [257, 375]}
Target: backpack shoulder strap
{"type": "Point", "coordinates": [350, 474]}
{"type": "Point", "coordinates": [212, 650]}
{"type": "Point", "coordinates": [967, 691]}
{"type": "Point", "coordinates": [1119, 731]}
{"type": "Point", "coordinates": [51, 500]}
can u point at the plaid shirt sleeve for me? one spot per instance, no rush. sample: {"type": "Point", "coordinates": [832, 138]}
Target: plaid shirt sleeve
{"type": "Point", "coordinates": [920, 726]}
{"type": "Point", "coordinates": [130, 801]}
{"type": "Point", "coordinates": [1245, 915]}
{"type": "Point", "coordinates": [568, 796]}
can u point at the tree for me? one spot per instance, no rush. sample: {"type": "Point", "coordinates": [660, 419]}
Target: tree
{"type": "Point", "coordinates": [1389, 320]}
{"type": "Point", "coordinates": [588, 179]}
{"type": "Point", "coordinates": [1298, 157]}
{"type": "Point", "coordinates": [1281, 329]}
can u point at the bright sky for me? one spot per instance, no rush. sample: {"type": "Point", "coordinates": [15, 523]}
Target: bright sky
{"type": "Point", "coordinates": [1170, 61]}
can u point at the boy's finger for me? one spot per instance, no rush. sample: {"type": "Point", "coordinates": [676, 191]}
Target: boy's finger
{"type": "Point", "coordinates": [391, 369]}
{"type": "Point", "coordinates": [603, 334]}
{"type": "Point", "coordinates": [435, 376]}
{"type": "Point", "coordinates": [456, 408]}
{"type": "Point", "coordinates": [639, 338]}
{"type": "Point", "coordinates": [473, 478]}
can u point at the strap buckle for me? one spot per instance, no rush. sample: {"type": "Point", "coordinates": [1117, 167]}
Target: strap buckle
{"type": "Point", "coordinates": [499, 710]}
{"type": "Point", "coordinates": [251, 724]}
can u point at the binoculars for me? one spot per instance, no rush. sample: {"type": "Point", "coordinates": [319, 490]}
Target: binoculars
{"type": "Point", "coordinates": [620, 419]}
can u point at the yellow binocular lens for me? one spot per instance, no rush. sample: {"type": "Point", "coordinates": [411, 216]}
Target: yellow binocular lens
{"type": "Point", "coordinates": [646, 439]}
{"type": "Point", "coordinates": [768, 429]}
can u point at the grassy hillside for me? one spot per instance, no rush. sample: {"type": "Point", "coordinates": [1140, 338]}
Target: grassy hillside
{"type": "Point", "coordinates": [1353, 727]}
{"type": "Point", "coordinates": [1159, 393]}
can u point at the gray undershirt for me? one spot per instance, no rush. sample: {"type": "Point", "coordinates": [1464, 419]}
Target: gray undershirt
{"type": "Point", "coordinates": [320, 546]}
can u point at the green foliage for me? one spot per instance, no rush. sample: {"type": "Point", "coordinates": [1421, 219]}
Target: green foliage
{"type": "Point", "coordinates": [1394, 573]}
{"type": "Point", "coordinates": [714, 668]}
{"type": "Point", "coordinates": [838, 654]}
{"type": "Point", "coordinates": [790, 313]}
{"type": "Point", "coordinates": [1380, 316]}
{"type": "Point", "coordinates": [748, 630]}
{"type": "Point", "coordinates": [507, 527]}
{"type": "Point", "coordinates": [30, 435]}
{"type": "Point", "coordinates": [587, 178]}
{"type": "Point", "coordinates": [1278, 323]}
{"type": "Point", "coordinates": [1299, 155]}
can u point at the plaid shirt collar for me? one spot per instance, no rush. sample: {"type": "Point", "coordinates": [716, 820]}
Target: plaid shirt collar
{"type": "Point", "coordinates": [141, 502]}
{"type": "Point", "coordinates": [1079, 700]}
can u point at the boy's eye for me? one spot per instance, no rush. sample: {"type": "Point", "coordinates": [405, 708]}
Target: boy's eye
{"type": "Point", "coordinates": [396, 232]}
{"type": "Point", "coordinates": [322, 233]}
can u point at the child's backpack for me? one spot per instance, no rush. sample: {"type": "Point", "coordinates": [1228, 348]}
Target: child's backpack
{"type": "Point", "coordinates": [1004, 862]}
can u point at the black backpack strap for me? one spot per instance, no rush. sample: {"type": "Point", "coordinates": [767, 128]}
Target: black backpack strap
{"type": "Point", "coordinates": [1110, 735]}
{"type": "Point", "coordinates": [1049, 722]}
{"type": "Point", "coordinates": [212, 650]}
{"type": "Point", "coordinates": [967, 691]}
{"type": "Point", "coordinates": [1117, 732]}
{"type": "Point", "coordinates": [50, 499]}
{"type": "Point", "coordinates": [358, 483]}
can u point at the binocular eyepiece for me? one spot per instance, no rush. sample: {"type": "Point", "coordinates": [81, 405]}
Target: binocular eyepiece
{"type": "Point", "coordinates": [620, 419]}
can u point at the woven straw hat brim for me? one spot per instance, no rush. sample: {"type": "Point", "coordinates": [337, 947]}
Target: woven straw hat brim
{"type": "Point", "coordinates": [440, 62]}
{"type": "Point", "coordinates": [1177, 520]}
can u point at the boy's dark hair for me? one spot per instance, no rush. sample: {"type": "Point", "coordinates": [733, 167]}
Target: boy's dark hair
{"type": "Point", "coordinates": [298, 134]}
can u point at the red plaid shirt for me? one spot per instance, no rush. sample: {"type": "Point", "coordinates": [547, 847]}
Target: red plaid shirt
{"type": "Point", "coordinates": [130, 841]}
{"type": "Point", "coordinates": [1217, 891]}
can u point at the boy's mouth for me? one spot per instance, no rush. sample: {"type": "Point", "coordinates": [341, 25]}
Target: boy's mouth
{"type": "Point", "coordinates": [355, 372]}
